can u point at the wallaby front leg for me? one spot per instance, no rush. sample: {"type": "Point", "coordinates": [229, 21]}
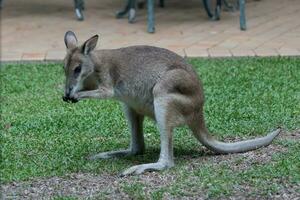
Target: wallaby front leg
{"type": "Point", "coordinates": [100, 93]}
{"type": "Point", "coordinates": [137, 145]}
{"type": "Point", "coordinates": [166, 158]}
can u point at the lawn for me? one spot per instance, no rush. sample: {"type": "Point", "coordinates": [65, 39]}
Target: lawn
{"type": "Point", "coordinates": [45, 141]}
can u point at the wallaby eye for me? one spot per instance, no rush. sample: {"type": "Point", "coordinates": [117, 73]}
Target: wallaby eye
{"type": "Point", "coordinates": [77, 70]}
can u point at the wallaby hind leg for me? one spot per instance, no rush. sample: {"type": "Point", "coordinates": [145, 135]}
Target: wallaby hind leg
{"type": "Point", "coordinates": [168, 115]}
{"type": "Point", "coordinates": [137, 145]}
{"type": "Point", "coordinates": [166, 152]}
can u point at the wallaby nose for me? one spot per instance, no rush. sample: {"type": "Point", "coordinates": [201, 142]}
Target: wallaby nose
{"type": "Point", "coordinates": [67, 97]}
{"type": "Point", "coordinates": [68, 92]}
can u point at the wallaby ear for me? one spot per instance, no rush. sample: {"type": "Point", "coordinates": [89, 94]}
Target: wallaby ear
{"type": "Point", "coordinates": [70, 40]}
{"type": "Point", "coordinates": [90, 44]}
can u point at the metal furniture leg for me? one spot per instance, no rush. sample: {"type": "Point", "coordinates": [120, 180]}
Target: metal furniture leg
{"type": "Point", "coordinates": [150, 10]}
{"type": "Point", "coordinates": [128, 9]}
{"type": "Point", "coordinates": [231, 6]}
{"type": "Point", "coordinates": [132, 12]}
{"type": "Point", "coordinates": [79, 6]}
{"type": "Point", "coordinates": [162, 3]}
{"type": "Point", "coordinates": [218, 10]}
{"type": "Point", "coordinates": [123, 12]}
{"type": "Point", "coordinates": [243, 26]}
{"type": "Point", "coordinates": [213, 9]}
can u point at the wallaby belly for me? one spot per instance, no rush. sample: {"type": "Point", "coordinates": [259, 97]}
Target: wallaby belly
{"type": "Point", "coordinates": [137, 96]}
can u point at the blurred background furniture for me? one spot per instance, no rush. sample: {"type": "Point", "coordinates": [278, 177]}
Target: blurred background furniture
{"type": "Point", "coordinates": [79, 7]}
{"type": "Point", "coordinates": [212, 7]}
{"type": "Point", "coordinates": [130, 10]}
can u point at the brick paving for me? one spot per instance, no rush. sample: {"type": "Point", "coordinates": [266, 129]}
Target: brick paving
{"type": "Point", "coordinates": [34, 29]}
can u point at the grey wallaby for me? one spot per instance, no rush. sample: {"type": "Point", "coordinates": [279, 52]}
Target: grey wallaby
{"type": "Point", "coordinates": [149, 81]}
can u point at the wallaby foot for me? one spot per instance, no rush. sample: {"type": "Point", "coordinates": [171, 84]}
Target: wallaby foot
{"type": "Point", "coordinates": [114, 154]}
{"type": "Point", "coordinates": [139, 169]}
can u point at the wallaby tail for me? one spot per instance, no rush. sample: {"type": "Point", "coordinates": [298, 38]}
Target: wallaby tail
{"type": "Point", "coordinates": [211, 143]}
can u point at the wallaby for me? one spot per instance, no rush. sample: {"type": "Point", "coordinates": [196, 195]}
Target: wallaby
{"type": "Point", "coordinates": [149, 81]}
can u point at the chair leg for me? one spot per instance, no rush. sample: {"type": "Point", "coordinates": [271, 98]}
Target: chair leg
{"type": "Point", "coordinates": [218, 10]}
{"type": "Point", "coordinates": [230, 7]}
{"type": "Point", "coordinates": [162, 3]}
{"type": "Point", "coordinates": [1, 4]}
{"type": "Point", "coordinates": [243, 26]}
{"type": "Point", "coordinates": [79, 6]}
{"type": "Point", "coordinates": [123, 12]}
{"type": "Point", "coordinates": [150, 10]}
{"type": "Point", "coordinates": [132, 11]}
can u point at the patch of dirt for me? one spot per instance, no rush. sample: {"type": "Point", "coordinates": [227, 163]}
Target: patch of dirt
{"type": "Point", "coordinates": [86, 185]}
{"type": "Point", "coordinates": [243, 161]}
{"type": "Point", "coordinates": [294, 136]}
{"type": "Point", "coordinates": [80, 185]}
{"type": "Point", "coordinates": [287, 192]}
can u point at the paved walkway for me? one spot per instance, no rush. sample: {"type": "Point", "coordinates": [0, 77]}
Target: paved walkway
{"type": "Point", "coordinates": [34, 29]}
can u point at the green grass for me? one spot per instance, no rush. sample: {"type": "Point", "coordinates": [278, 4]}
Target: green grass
{"type": "Point", "coordinates": [43, 136]}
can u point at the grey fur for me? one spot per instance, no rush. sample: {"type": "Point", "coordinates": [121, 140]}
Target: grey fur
{"type": "Point", "coordinates": [152, 82]}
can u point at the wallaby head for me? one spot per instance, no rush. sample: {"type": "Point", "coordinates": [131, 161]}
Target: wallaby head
{"type": "Point", "coordinates": [77, 63]}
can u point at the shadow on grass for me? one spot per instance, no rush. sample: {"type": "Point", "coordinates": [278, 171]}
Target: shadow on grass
{"type": "Point", "coordinates": [152, 154]}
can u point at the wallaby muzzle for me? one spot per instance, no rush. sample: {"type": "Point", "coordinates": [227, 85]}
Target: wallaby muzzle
{"type": "Point", "coordinates": [69, 99]}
